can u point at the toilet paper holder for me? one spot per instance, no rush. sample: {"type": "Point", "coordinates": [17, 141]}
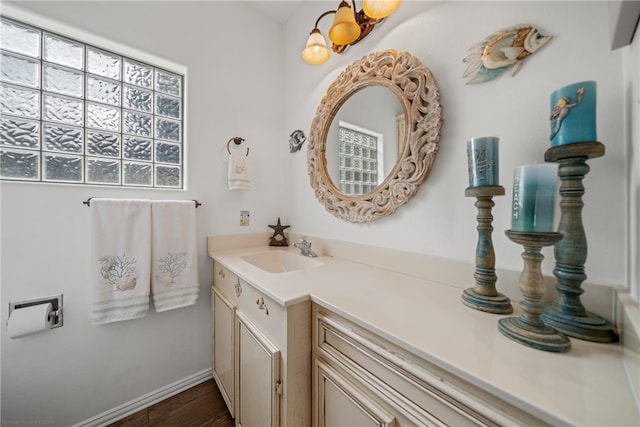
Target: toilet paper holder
{"type": "Point", "coordinates": [56, 312]}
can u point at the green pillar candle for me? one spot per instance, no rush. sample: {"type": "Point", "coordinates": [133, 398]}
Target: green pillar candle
{"type": "Point", "coordinates": [534, 191]}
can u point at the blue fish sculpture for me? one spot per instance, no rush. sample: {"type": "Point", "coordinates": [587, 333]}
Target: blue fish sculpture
{"type": "Point", "coordinates": [502, 50]}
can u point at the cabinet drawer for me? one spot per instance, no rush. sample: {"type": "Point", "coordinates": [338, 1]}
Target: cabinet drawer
{"type": "Point", "coordinates": [227, 282]}
{"type": "Point", "coordinates": [253, 303]}
{"type": "Point", "coordinates": [423, 393]}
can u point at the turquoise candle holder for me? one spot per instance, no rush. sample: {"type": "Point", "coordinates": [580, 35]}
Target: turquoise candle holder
{"type": "Point", "coordinates": [567, 314]}
{"type": "Point", "coordinates": [484, 296]}
{"type": "Point", "coordinates": [482, 157]}
{"type": "Point", "coordinates": [573, 114]}
{"type": "Point", "coordinates": [534, 190]}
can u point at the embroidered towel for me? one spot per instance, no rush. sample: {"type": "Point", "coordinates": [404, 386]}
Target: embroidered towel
{"type": "Point", "coordinates": [238, 172]}
{"type": "Point", "coordinates": [174, 265]}
{"type": "Point", "coordinates": [120, 259]}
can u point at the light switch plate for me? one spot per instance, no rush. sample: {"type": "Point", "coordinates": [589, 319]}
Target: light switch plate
{"type": "Point", "coordinates": [244, 218]}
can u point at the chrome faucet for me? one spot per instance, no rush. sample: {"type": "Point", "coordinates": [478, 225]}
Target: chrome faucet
{"type": "Point", "coordinates": [305, 248]}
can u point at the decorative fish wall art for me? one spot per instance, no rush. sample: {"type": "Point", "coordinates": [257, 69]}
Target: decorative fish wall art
{"type": "Point", "coordinates": [296, 139]}
{"type": "Point", "coordinates": [502, 50]}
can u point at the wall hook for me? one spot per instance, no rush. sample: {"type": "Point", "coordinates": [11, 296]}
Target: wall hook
{"type": "Point", "coordinates": [236, 140]}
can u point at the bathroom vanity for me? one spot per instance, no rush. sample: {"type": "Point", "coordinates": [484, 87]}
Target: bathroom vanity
{"type": "Point", "coordinates": [363, 379]}
{"type": "Point", "coordinates": [261, 352]}
{"type": "Point", "coordinates": [332, 341]}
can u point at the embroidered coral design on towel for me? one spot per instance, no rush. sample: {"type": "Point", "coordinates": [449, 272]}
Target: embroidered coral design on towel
{"type": "Point", "coordinates": [240, 167]}
{"type": "Point", "coordinates": [119, 271]}
{"type": "Point", "coordinates": [170, 267]}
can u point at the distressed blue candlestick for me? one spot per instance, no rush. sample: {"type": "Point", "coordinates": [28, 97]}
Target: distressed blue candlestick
{"type": "Point", "coordinates": [484, 296]}
{"type": "Point", "coordinates": [529, 329]}
{"type": "Point", "coordinates": [567, 314]}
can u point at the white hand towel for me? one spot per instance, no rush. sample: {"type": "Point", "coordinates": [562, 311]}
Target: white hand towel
{"type": "Point", "coordinates": [120, 259]}
{"type": "Point", "coordinates": [238, 172]}
{"type": "Point", "coordinates": [174, 265]}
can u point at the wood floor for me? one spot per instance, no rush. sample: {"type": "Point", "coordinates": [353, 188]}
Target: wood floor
{"type": "Point", "coordinates": [199, 406]}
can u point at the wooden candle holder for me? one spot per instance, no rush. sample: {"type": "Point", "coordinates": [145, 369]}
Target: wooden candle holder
{"type": "Point", "coordinates": [484, 296]}
{"type": "Point", "coordinates": [529, 329]}
{"type": "Point", "coordinates": [567, 314]}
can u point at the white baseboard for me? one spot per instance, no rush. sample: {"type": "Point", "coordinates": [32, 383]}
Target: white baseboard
{"type": "Point", "coordinates": [147, 400]}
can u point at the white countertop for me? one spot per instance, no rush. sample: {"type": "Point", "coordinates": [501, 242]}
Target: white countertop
{"type": "Point", "coordinates": [586, 386]}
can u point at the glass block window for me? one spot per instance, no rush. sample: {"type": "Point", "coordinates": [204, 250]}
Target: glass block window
{"type": "Point", "coordinates": [360, 159]}
{"type": "Point", "coordinates": [76, 113]}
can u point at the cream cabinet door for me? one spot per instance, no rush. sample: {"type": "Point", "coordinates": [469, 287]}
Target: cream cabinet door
{"type": "Point", "coordinates": [341, 404]}
{"type": "Point", "coordinates": [257, 376]}
{"type": "Point", "coordinates": [223, 313]}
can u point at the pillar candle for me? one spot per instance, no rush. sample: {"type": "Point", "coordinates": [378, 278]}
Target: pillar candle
{"type": "Point", "coordinates": [482, 158]}
{"type": "Point", "coordinates": [573, 114]}
{"type": "Point", "coordinates": [534, 191]}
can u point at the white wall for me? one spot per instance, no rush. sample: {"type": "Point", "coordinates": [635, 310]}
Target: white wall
{"type": "Point", "coordinates": [244, 80]}
{"type": "Point", "coordinates": [440, 220]}
{"type": "Point", "coordinates": [632, 154]}
{"type": "Point", "coordinates": [235, 88]}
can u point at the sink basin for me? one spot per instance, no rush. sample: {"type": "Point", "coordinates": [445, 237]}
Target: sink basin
{"type": "Point", "coordinates": [278, 261]}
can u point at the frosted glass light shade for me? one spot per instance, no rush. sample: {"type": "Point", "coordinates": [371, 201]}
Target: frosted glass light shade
{"type": "Point", "coordinates": [316, 51]}
{"type": "Point", "coordinates": [344, 30]}
{"type": "Point", "coordinates": [379, 9]}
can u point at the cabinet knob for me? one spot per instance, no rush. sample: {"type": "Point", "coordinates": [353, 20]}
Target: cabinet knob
{"type": "Point", "coordinates": [221, 273]}
{"type": "Point", "coordinates": [238, 287]}
{"type": "Point", "coordinates": [262, 306]}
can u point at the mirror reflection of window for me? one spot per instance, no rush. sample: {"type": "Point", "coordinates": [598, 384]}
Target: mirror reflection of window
{"type": "Point", "coordinates": [374, 109]}
{"type": "Point", "coordinates": [360, 156]}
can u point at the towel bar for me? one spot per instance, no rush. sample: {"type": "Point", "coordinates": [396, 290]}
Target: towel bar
{"type": "Point", "coordinates": [88, 202]}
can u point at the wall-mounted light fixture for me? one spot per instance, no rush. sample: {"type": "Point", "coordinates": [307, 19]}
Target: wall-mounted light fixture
{"type": "Point", "coordinates": [349, 27]}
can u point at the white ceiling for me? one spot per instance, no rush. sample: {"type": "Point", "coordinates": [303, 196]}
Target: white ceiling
{"type": "Point", "coordinates": [279, 10]}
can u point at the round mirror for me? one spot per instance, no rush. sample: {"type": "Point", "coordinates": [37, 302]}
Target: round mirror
{"type": "Point", "coordinates": [362, 142]}
{"type": "Point", "coordinates": [375, 136]}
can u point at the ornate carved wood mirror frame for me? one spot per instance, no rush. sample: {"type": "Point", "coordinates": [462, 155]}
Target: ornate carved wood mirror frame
{"type": "Point", "coordinates": [416, 89]}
